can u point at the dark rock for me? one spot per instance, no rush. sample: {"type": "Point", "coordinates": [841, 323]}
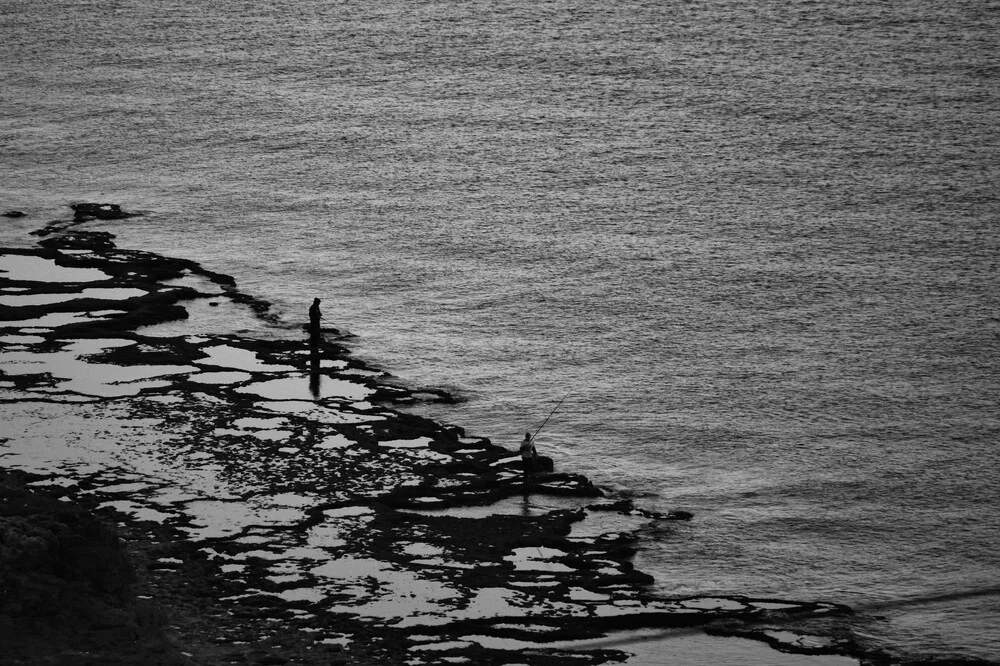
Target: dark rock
{"type": "Point", "coordinates": [80, 240]}
{"type": "Point", "coordinates": [66, 586]}
{"type": "Point", "coordinates": [537, 465]}
{"type": "Point", "coordinates": [48, 547]}
{"type": "Point", "coordinates": [103, 211]}
{"type": "Point", "coordinates": [13, 213]}
{"type": "Point", "coordinates": [271, 660]}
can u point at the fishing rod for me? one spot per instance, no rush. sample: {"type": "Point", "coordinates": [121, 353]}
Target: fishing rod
{"type": "Point", "coordinates": [550, 414]}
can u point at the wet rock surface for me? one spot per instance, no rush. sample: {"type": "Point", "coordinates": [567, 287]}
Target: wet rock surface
{"type": "Point", "coordinates": [273, 505]}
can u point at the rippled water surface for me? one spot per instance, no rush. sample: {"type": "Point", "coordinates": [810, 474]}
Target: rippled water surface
{"type": "Point", "coordinates": [754, 243]}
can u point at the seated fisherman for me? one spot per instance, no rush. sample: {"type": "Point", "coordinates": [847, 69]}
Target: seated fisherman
{"type": "Point", "coordinates": [528, 452]}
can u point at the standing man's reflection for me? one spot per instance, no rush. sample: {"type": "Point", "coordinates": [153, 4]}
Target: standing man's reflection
{"type": "Point", "coordinates": [314, 379]}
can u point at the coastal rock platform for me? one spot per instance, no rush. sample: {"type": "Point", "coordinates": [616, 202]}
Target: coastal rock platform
{"type": "Point", "coordinates": [211, 498]}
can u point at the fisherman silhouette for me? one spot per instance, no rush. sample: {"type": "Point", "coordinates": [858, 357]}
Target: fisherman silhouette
{"type": "Point", "coordinates": [528, 453]}
{"type": "Point", "coordinates": [314, 317]}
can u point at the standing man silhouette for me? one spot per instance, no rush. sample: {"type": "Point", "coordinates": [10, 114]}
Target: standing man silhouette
{"type": "Point", "coordinates": [314, 317]}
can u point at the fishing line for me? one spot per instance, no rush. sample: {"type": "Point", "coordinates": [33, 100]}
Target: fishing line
{"type": "Point", "coordinates": [551, 413]}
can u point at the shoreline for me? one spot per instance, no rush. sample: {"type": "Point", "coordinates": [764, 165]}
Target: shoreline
{"type": "Point", "coordinates": [281, 509]}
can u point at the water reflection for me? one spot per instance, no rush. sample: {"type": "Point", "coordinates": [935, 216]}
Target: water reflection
{"type": "Point", "coordinates": [314, 379]}
{"type": "Point", "coordinates": [318, 386]}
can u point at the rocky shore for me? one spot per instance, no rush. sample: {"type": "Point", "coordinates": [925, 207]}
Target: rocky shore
{"type": "Point", "coordinates": [67, 586]}
{"type": "Point", "coordinates": [173, 496]}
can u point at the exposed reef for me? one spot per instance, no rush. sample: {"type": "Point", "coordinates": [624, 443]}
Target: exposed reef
{"type": "Point", "coordinates": [99, 211]}
{"type": "Point", "coordinates": [275, 503]}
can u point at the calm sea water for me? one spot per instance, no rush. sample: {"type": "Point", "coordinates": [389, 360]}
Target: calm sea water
{"type": "Point", "coordinates": [754, 242]}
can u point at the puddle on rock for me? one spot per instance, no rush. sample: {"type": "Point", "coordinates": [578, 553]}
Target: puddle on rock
{"type": "Point", "coordinates": [237, 358]}
{"type": "Point", "coordinates": [220, 378]}
{"type": "Point", "coordinates": [420, 442]}
{"type": "Point", "coordinates": [56, 319]}
{"type": "Point", "coordinates": [113, 294]}
{"type": "Point", "coordinates": [522, 505]}
{"type": "Point", "coordinates": [30, 268]}
{"type": "Point", "coordinates": [580, 594]}
{"type": "Point", "coordinates": [80, 376]}
{"type": "Point", "coordinates": [309, 594]}
{"type": "Point", "coordinates": [336, 441]}
{"type": "Point", "coordinates": [382, 591]}
{"type": "Point", "coordinates": [276, 436]}
{"type": "Point", "coordinates": [21, 339]}
{"type": "Point", "coordinates": [713, 603]}
{"type": "Point", "coordinates": [260, 424]}
{"type": "Point", "coordinates": [537, 559]}
{"type": "Point", "coordinates": [213, 518]}
{"type": "Point", "coordinates": [137, 511]}
{"type": "Point", "coordinates": [496, 602]}
{"type": "Point", "coordinates": [318, 413]}
{"type": "Point", "coordinates": [422, 549]}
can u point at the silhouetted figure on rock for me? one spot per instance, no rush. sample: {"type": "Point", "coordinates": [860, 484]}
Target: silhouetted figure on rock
{"type": "Point", "coordinates": [528, 453]}
{"type": "Point", "coordinates": [314, 317]}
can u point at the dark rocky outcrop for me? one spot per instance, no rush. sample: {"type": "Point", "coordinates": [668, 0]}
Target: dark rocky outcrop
{"type": "Point", "coordinates": [66, 585]}
{"type": "Point", "coordinates": [99, 211]}
{"type": "Point", "coordinates": [82, 213]}
{"type": "Point", "coordinates": [13, 213]}
{"type": "Point", "coordinates": [80, 240]}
